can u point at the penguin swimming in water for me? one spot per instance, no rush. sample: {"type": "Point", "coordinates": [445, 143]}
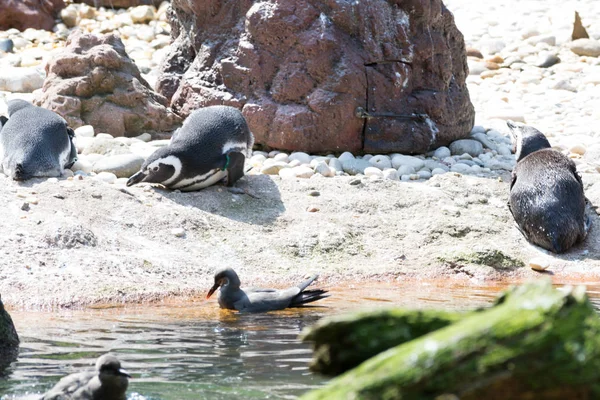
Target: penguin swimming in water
{"type": "Point", "coordinates": [212, 144]}
{"type": "Point", "coordinates": [546, 193]}
{"type": "Point", "coordinates": [34, 142]}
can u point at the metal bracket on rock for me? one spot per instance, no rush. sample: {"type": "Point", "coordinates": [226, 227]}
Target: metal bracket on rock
{"type": "Point", "coordinates": [362, 113]}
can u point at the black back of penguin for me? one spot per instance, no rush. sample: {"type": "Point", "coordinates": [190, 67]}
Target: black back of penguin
{"type": "Point", "coordinates": [36, 140]}
{"type": "Point", "coordinates": [207, 134]}
{"type": "Point", "coordinates": [547, 200]}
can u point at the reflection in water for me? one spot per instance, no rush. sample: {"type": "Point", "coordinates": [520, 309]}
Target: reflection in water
{"type": "Point", "coordinates": [193, 350]}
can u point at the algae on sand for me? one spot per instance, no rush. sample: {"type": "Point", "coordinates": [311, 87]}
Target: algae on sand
{"type": "Point", "coordinates": [535, 342]}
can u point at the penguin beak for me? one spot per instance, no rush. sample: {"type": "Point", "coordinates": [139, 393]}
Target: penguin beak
{"type": "Point", "coordinates": [137, 178]}
{"type": "Point", "coordinates": [511, 124]}
{"type": "Point", "coordinates": [212, 289]}
{"type": "Point", "coordinates": [124, 373]}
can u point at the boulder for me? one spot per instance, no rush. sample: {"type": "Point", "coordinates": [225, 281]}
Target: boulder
{"type": "Point", "coordinates": [23, 14]}
{"type": "Point", "coordinates": [321, 76]}
{"type": "Point", "coordinates": [94, 82]}
{"type": "Point", "coordinates": [9, 340]}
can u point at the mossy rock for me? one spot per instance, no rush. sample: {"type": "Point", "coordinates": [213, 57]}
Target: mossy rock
{"type": "Point", "coordinates": [489, 257]}
{"type": "Point", "coordinates": [536, 342]}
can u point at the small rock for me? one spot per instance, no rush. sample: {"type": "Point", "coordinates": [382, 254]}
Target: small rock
{"type": "Point", "coordinates": [281, 157]}
{"type": "Point", "coordinates": [546, 60]}
{"type": "Point", "coordinates": [314, 193]}
{"type": "Point", "coordinates": [142, 14]}
{"type": "Point", "coordinates": [335, 164]}
{"type": "Point", "coordinates": [484, 140]}
{"type": "Point", "coordinates": [400, 159]}
{"type": "Point", "coordinates": [144, 137]}
{"type": "Point", "coordinates": [460, 168]}
{"type": "Point", "coordinates": [539, 264]}
{"type": "Point", "coordinates": [25, 206]}
{"type": "Point", "coordinates": [423, 174]}
{"type": "Point", "coordinates": [470, 146]}
{"type": "Point", "coordinates": [23, 80]}
{"type": "Point", "coordinates": [322, 168]}
{"type": "Point", "coordinates": [472, 52]}
{"type": "Point", "coordinates": [122, 166]}
{"type": "Point", "coordinates": [303, 172]}
{"type": "Point", "coordinates": [442, 152]}
{"type": "Point", "coordinates": [578, 149]}
{"type": "Point", "coordinates": [7, 45]}
{"type": "Point", "coordinates": [381, 162]}
{"type": "Point", "coordinates": [405, 178]}
{"type": "Point", "coordinates": [355, 166]}
{"type": "Point", "coordinates": [257, 160]}
{"type": "Point", "coordinates": [345, 156]}
{"type": "Point", "coordinates": [406, 170]}
{"type": "Point", "coordinates": [373, 171]}
{"type": "Point", "coordinates": [300, 156]}
{"type": "Point", "coordinates": [31, 200]}
{"type": "Point", "coordinates": [438, 171]}
{"type": "Point", "coordinates": [107, 177]}
{"type": "Point", "coordinates": [70, 16]}
{"type": "Point", "coordinates": [585, 47]}
{"type": "Point", "coordinates": [178, 232]}
{"type": "Point", "coordinates": [85, 131]}
{"type": "Point", "coordinates": [391, 174]}
{"type": "Point", "coordinates": [312, 209]}
{"type": "Point", "coordinates": [579, 31]}
{"type": "Point", "coordinates": [273, 168]}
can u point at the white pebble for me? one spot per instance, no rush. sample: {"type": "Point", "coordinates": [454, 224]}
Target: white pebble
{"type": "Point", "coordinates": [373, 171]}
{"type": "Point", "coordinates": [391, 174]}
{"type": "Point", "coordinates": [539, 264]}
{"type": "Point", "coordinates": [85, 131]}
{"type": "Point", "coordinates": [406, 170]}
{"type": "Point", "coordinates": [438, 171]}
{"type": "Point", "coordinates": [441, 152]}
{"type": "Point", "coordinates": [381, 161]}
{"type": "Point", "coordinates": [345, 156]}
{"type": "Point", "coordinates": [178, 232]}
{"type": "Point", "coordinates": [300, 156]}
{"type": "Point", "coordinates": [107, 177]}
{"type": "Point", "coordinates": [281, 157]}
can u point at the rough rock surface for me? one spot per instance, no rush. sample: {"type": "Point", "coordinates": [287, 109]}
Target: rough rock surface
{"type": "Point", "coordinates": [88, 242]}
{"type": "Point", "coordinates": [299, 69]}
{"type": "Point", "coordinates": [119, 3]}
{"type": "Point", "coordinates": [23, 14]}
{"type": "Point", "coordinates": [9, 340]}
{"type": "Point", "coordinates": [94, 82]}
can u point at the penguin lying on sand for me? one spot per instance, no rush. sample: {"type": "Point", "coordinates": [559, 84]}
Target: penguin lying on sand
{"type": "Point", "coordinates": [211, 145]}
{"type": "Point", "coordinates": [34, 142]}
{"type": "Point", "coordinates": [546, 193]}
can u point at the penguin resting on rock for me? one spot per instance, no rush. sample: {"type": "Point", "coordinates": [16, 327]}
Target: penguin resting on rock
{"type": "Point", "coordinates": [34, 142]}
{"type": "Point", "coordinates": [546, 193]}
{"type": "Point", "coordinates": [212, 144]}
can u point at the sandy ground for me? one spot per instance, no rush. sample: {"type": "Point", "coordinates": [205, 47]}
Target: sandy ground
{"type": "Point", "coordinates": [88, 242]}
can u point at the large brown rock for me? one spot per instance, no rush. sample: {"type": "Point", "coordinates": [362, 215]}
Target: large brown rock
{"type": "Point", "coordinates": [299, 69]}
{"type": "Point", "coordinates": [94, 82]}
{"type": "Point", "coordinates": [23, 14]}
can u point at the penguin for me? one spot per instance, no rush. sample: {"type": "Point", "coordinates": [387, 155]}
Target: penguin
{"type": "Point", "coordinates": [211, 145]}
{"type": "Point", "coordinates": [34, 142]}
{"type": "Point", "coordinates": [547, 200]}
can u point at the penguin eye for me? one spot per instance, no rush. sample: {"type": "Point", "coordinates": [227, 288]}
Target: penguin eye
{"type": "Point", "coordinates": [155, 168]}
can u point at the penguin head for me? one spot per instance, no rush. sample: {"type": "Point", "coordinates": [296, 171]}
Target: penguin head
{"type": "Point", "coordinates": [110, 372]}
{"type": "Point", "coordinates": [526, 139]}
{"type": "Point", "coordinates": [160, 167]}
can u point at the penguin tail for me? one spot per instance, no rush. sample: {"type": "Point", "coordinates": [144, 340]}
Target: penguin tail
{"type": "Point", "coordinates": [19, 172]}
{"type": "Point", "coordinates": [308, 296]}
{"type": "Point", "coordinates": [307, 282]}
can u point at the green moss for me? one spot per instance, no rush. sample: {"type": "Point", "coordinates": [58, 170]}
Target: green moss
{"type": "Point", "coordinates": [490, 257]}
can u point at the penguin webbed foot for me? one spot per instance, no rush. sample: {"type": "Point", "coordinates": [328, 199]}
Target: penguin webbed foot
{"type": "Point", "coordinates": [235, 167]}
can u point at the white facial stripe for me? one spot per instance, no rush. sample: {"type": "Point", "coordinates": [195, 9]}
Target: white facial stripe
{"type": "Point", "coordinates": [204, 180]}
{"type": "Point", "coordinates": [519, 139]}
{"type": "Point", "coordinates": [170, 160]}
{"type": "Point", "coordinates": [235, 146]}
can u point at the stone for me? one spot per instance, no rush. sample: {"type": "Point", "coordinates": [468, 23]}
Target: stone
{"type": "Point", "coordinates": [323, 169]}
{"type": "Point", "coordinates": [546, 60]}
{"type": "Point", "coordinates": [472, 52]}
{"type": "Point", "coordinates": [142, 14]}
{"type": "Point", "coordinates": [346, 156]}
{"type": "Point", "coordinates": [144, 137]}
{"type": "Point", "coordinates": [178, 232]}
{"type": "Point", "coordinates": [381, 161]}
{"type": "Point", "coordinates": [283, 157]}
{"type": "Point", "coordinates": [424, 174]}
{"type": "Point", "coordinates": [579, 32]}
{"type": "Point", "coordinates": [24, 14]}
{"type": "Point", "coordinates": [355, 166]}
{"type": "Point", "coordinates": [373, 171]}
{"type": "Point", "coordinates": [23, 80]}
{"type": "Point", "coordinates": [585, 47]}
{"type": "Point", "coordinates": [336, 165]}
{"type": "Point", "coordinates": [406, 170]}
{"type": "Point", "coordinates": [303, 158]}
{"type": "Point", "coordinates": [123, 165]}
{"type": "Point", "coordinates": [303, 172]}
{"type": "Point", "coordinates": [438, 171]}
{"type": "Point", "coordinates": [104, 146]}
{"type": "Point", "coordinates": [460, 168]}
{"type": "Point", "coordinates": [106, 177]}
{"type": "Point", "coordinates": [70, 16]}
{"type": "Point", "coordinates": [300, 70]}
{"type": "Point", "coordinates": [85, 131]}
{"type": "Point", "coordinates": [484, 140]}
{"type": "Point", "coordinates": [400, 159]}
{"type": "Point", "coordinates": [391, 174]}
{"type": "Point", "coordinates": [539, 264]}
{"type": "Point", "coordinates": [92, 81]}
{"type": "Point", "coordinates": [442, 152]}
{"type": "Point", "coordinates": [7, 45]}
{"type": "Point", "coordinates": [274, 168]}
{"type": "Point", "coordinates": [470, 146]}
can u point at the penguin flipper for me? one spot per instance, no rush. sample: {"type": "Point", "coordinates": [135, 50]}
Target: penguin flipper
{"type": "Point", "coordinates": [73, 154]}
{"type": "Point", "coordinates": [3, 120]}
{"type": "Point", "coordinates": [235, 168]}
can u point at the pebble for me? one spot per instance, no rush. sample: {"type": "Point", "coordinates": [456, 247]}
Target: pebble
{"type": "Point", "coordinates": [303, 158]}
{"type": "Point", "coordinates": [142, 14]}
{"type": "Point", "coordinates": [578, 149]}
{"type": "Point", "coordinates": [322, 168]}
{"type": "Point", "coordinates": [85, 131]}
{"type": "Point", "coordinates": [23, 80]}
{"type": "Point", "coordinates": [546, 60]}
{"type": "Point", "coordinates": [423, 174]}
{"type": "Point", "coordinates": [7, 45]}
{"type": "Point", "coordinates": [281, 157]}
{"type": "Point", "coordinates": [345, 156]}
{"type": "Point", "coordinates": [122, 166]}
{"type": "Point", "coordinates": [406, 170]}
{"type": "Point", "coordinates": [539, 264]}
{"type": "Point", "coordinates": [381, 161]}
{"type": "Point", "coordinates": [273, 168]}
{"type": "Point", "coordinates": [470, 146]}
{"type": "Point", "coordinates": [442, 152]}
{"type": "Point", "coordinates": [178, 232]}
{"type": "Point", "coordinates": [355, 166]}
{"type": "Point", "coordinates": [391, 174]}
{"type": "Point", "coordinates": [31, 200]}
{"type": "Point", "coordinates": [400, 159]}
{"type": "Point", "coordinates": [373, 171]}
{"type": "Point", "coordinates": [336, 165]}
{"type": "Point", "coordinates": [460, 168]}
{"type": "Point", "coordinates": [585, 47]}
{"type": "Point", "coordinates": [438, 171]}
{"type": "Point", "coordinates": [107, 177]}
{"type": "Point", "coordinates": [257, 160]}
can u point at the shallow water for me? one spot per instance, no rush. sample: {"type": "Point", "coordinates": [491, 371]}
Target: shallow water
{"type": "Point", "coordinates": [192, 350]}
